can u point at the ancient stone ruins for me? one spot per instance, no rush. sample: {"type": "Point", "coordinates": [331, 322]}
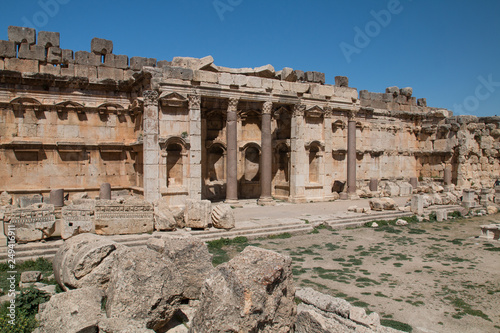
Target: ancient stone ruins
{"type": "Point", "coordinates": [172, 285]}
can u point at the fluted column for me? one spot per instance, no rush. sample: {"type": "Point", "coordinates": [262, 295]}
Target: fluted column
{"type": "Point", "coordinates": [195, 147]}
{"type": "Point", "coordinates": [298, 156]}
{"type": "Point", "coordinates": [232, 151]}
{"type": "Point", "coordinates": [266, 162]}
{"type": "Point", "coordinates": [327, 156]}
{"type": "Point", "coordinates": [151, 148]}
{"type": "Point", "coordinates": [351, 156]}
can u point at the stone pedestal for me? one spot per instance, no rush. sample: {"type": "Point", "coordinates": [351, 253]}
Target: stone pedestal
{"type": "Point", "coordinates": [490, 232]}
{"type": "Point", "coordinates": [151, 148]}
{"type": "Point", "coordinates": [373, 184]}
{"type": "Point", "coordinates": [483, 197]}
{"type": "Point", "coordinates": [441, 215]}
{"type": "Point", "coordinates": [57, 198]}
{"type": "Point", "coordinates": [351, 157]}
{"type": "Point", "coordinates": [343, 196]}
{"type": "Point", "coordinates": [195, 177]}
{"type": "Point", "coordinates": [266, 157]}
{"type": "Point", "coordinates": [414, 182]}
{"type": "Point", "coordinates": [497, 194]}
{"type": "Point", "coordinates": [468, 199]}
{"type": "Point", "coordinates": [232, 152]}
{"type": "Point", "coordinates": [105, 191]}
{"type": "Point", "coordinates": [417, 204]}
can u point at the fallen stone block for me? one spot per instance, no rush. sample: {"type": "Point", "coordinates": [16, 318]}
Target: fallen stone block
{"type": "Point", "coordinates": [113, 218]}
{"type": "Point", "coordinates": [223, 217]}
{"type": "Point", "coordinates": [164, 218]}
{"type": "Point", "coordinates": [190, 256]}
{"type": "Point", "coordinates": [252, 292]}
{"type": "Point", "coordinates": [85, 260]}
{"type": "Point", "coordinates": [144, 286]}
{"type": "Point", "coordinates": [73, 311]}
{"type": "Point", "coordinates": [324, 302]}
{"type": "Point", "coordinates": [76, 220]}
{"type": "Point", "coordinates": [33, 223]}
{"type": "Point", "coordinates": [30, 276]}
{"type": "Point", "coordinates": [359, 316]}
{"type": "Point", "coordinates": [5, 199]}
{"type": "Point", "coordinates": [197, 213]}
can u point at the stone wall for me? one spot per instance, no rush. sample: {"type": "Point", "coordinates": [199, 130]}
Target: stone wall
{"type": "Point", "coordinates": [188, 128]}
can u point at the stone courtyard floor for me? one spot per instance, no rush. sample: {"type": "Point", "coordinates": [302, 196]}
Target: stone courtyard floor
{"type": "Point", "coordinates": [436, 277]}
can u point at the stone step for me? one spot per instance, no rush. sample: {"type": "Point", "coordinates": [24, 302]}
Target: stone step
{"type": "Point", "coordinates": [261, 234]}
{"type": "Point", "coordinates": [252, 233]}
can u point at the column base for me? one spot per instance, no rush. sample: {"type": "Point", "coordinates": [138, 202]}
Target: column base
{"type": "Point", "coordinates": [353, 196]}
{"type": "Point", "coordinates": [266, 202]}
{"type": "Point", "coordinates": [233, 202]}
{"type": "Point", "coordinates": [298, 200]}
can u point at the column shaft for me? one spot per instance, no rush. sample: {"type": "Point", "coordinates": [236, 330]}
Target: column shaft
{"type": "Point", "coordinates": [266, 155]}
{"type": "Point", "coordinates": [195, 178]}
{"type": "Point", "coordinates": [151, 148]}
{"type": "Point", "coordinates": [232, 151]}
{"type": "Point", "coordinates": [351, 157]}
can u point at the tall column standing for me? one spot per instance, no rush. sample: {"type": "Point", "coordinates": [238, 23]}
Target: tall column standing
{"type": "Point", "coordinates": [327, 159]}
{"type": "Point", "coordinates": [266, 156]}
{"type": "Point", "coordinates": [232, 152]}
{"type": "Point", "coordinates": [195, 147]}
{"type": "Point", "coordinates": [351, 156]}
{"type": "Point", "coordinates": [298, 156]}
{"type": "Point", "coordinates": [151, 149]}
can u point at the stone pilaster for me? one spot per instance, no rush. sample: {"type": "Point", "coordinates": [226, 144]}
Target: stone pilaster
{"type": "Point", "coordinates": [266, 162]}
{"type": "Point", "coordinates": [298, 156]}
{"type": "Point", "coordinates": [195, 178]}
{"type": "Point", "coordinates": [327, 156]}
{"type": "Point", "coordinates": [151, 148]}
{"type": "Point", "coordinates": [351, 156]}
{"type": "Point", "coordinates": [232, 151]}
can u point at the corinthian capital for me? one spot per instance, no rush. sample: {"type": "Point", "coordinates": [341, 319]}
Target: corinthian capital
{"type": "Point", "coordinates": [298, 110]}
{"type": "Point", "coordinates": [233, 104]}
{"type": "Point", "coordinates": [150, 97]}
{"type": "Point", "coordinates": [267, 108]}
{"type": "Point", "coordinates": [194, 101]}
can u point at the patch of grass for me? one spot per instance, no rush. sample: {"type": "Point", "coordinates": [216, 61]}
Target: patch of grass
{"type": "Point", "coordinates": [331, 247]}
{"type": "Point", "coordinates": [417, 231]}
{"type": "Point", "coordinates": [464, 308]}
{"type": "Point", "coordinates": [493, 249]}
{"type": "Point", "coordinates": [360, 304]}
{"type": "Point", "coordinates": [284, 235]}
{"type": "Point", "coordinates": [396, 325]}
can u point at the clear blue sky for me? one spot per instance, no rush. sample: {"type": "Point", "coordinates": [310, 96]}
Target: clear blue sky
{"type": "Point", "coordinates": [447, 50]}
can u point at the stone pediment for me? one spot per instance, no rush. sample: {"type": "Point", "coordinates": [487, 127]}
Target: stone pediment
{"type": "Point", "coordinates": [280, 112]}
{"type": "Point", "coordinates": [69, 106]}
{"type": "Point", "coordinates": [172, 99]}
{"type": "Point", "coordinates": [26, 103]}
{"type": "Point", "coordinates": [110, 108]}
{"type": "Point", "coordinates": [314, 112]}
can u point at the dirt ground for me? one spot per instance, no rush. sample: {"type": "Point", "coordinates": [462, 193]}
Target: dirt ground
{"type": "Point", "coordinates": [436, 277]}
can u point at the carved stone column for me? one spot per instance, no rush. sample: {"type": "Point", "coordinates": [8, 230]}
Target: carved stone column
{"type": "Point", "coordinates": [195, 178]}
{"type": "Point", "coordinates": [151, 148]}
{"type": "Point", "coordinates": [266, 162]}
{"type": "Point", "coordinates": [351, 156]}
{"type": "Point", "coordinates": [298, 156]}
{"type": "Point", "coordinates": [232, 151]}
{"type": "Point", "coordinates": [327, 156]}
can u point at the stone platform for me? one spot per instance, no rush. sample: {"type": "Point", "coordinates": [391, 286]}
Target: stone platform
{"type": "Point", "coordinates": [252, 221]}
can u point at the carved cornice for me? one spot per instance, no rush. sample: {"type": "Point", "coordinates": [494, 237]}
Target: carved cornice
{"type": "Point", "coordinates": [328, 111]}
{"type": "Point", "coordinates": [150, 97]}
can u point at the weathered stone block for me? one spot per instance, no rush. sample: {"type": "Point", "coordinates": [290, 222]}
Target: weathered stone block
{"type": "Point", "coordinates": [341, 81]}
{"type": "Point", "coordinates": [101, 46]}
{"type": "Point", "coordinates": [300, 75]}
{"type": "Point", "coordinates": [324, 302]}
{"type": "Point", "coordinates": [422, 102]}
{"type": "Point", "coordinates": [87, 58]}
{"type": "Point", "coordinates": [89, 72]}
{"type": "Point", "coordinates": [266, 71]}
{"type": "Point", "coordinates": [190, 256]}
{"type": "Point", "coordinates": [7, 49]}
{"type": "Point", "coordinates": [2, 64]}
{"type": "Point", "coordinates": [223, 217]}
{"type": "Point", "coordinates": [109, 73]}
{"type": "Point", "coordinates": [32, 52]}
{"type": "Point", "coordinates": [408, 91]}
{"type": "Point", "coordinates": [225, 79]}
{"type": "Point", "coordinates": [164, 218]}
{"type": "Point", "coordinates": [67, 57]}
{"type": "Point", "coordinates": [197, 213]}
{"type": "Point", "coordinates": [25, 201]}
{"type": "Point", "coordinates": [21, 35]}
{"type": "Point", "coordinates": [205, 76]}
{"type": "Point", "coordinates": [54, 55]}
{"type": "Point", "coordinates": [145, 286]}
{"type": "Point", "coordinates": [112, 218]}
{"type": "Point", "coordinates": [288, 74]}
{"type": "Point", "coordinates": [255, 279]}
{"type": "Point", "coordinates": [48, 39]}
{"type": "Point", "coordinates": [5, 199]}
{"type": "Point", "coordinates": [179, 73]}
{"type": "Point", "coordinates": [33, 224]}
{"type": "Point", "coordinates": [31, 276]}
{"type": "Point", "coordinates": [76, 220]}
{"type": "Point", "coordinates": [116, 61]}
{"type": "Point", "coordinates": [315, 77]}
{"type": "Point", "coordinates": [392, 90]}
{"type": "Point", "coordinates": [136, 63]}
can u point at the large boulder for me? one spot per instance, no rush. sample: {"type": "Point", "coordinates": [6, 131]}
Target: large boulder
{"type": "Point", "coordinates": [376, 204]}
{"type": "Point", "coordinates": [73, 311]}
{"type": "Point", "coordinates": [85, 260]}
{"type": "Point", "coordinates": [223, 217]}
{"type": "Point", "coordinates": [428, 200]}
{"type": "Point", "coordinates": [144, 286]}
{"type": "Point", "coordinates": [392, 189]}
{"type": "Point", "coordinates": [190, 256]}
{"type": "Point", "coordinates": [252, 292]}
{"type": "Point", "coordinates": [197, 213]}
{"type": "Point", "coordinates": [389, 204]}
{"type": "Point", "coordinates": [164, 218]}
{"type": "Point", "coordinates": [312, 320]}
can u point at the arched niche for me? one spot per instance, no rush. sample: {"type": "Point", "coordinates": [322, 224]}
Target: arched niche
{"type": "Point", "coordinates": [315, 151]}
{"type": "Point", "coordinates": [174, 162]}
{"type": "Point", "coordinates": [250, 180]}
